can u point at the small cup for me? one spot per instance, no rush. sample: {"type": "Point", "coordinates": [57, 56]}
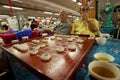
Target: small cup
{"type": "Point", "coordinates": [104, 57]}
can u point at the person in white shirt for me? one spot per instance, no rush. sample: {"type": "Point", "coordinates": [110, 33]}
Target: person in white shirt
{"type": "Point", "coordinates": [26, 26]}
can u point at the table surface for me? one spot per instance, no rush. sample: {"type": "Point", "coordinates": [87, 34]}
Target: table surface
{"type": "Point", "coordinates": [112, 47]}
{"type": "Point", "coordinates": [61, 67]}
{"type": "Point", "coordinates": [7, 38]}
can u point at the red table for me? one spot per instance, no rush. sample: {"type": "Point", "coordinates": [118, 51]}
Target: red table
{"type": "Point", "coordinates": [7, 38]}
{"type": "Point", "coordinates": [34, 33]}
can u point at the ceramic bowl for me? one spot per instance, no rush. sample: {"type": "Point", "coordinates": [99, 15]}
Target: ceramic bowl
{"type": "Point", "coordinates": [101, 70]}
{"type": "Point", "coordinates": [104, 57]}
{"type": "Point", "coordinates": [101, 41]}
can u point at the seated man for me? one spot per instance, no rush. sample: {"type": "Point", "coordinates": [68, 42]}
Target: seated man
{"type": "Point", "coordinates": [64, 26]}
{"type": "Point", "coordinates": [86, 26]}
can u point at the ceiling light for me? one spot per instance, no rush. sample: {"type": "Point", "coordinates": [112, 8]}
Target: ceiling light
{"type": "Point", "coordinates": [69, 16]}
{"type": "Point", "coordinates": [74, 0]}
{"type": "Point", "coordinates": [18, 8]}
{"type": "Point", "coordinates": [17, 1]}
{"type": "Point", "coordinates": [56, 14]}
{"type": "Point", "coordinates": [1, 16]}
{"type": "Point", "coordinates": [48, 12]}
{"type": "Point", "coordinates": [31, 17]}
{"type": "Point", "coordinates": [14, 16]}
{"type": "Point", "coordinates": [4, 16]}
{"type": "Point", "coordinates": [79, 3]}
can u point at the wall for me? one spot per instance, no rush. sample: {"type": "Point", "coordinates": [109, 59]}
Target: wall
{"type": "Point", "coordinates": [12, 22]}
{"type": "Point", "coordinates": [92, 10]}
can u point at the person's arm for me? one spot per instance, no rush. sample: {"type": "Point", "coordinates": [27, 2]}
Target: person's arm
{"type": "Point", "coordinates": [73, 27]}
{"type": "Point", "coordinates": [92, 26]}
{"type": "Point", "coordinates": [55, 29]}
{"type": "Point", "coordinates": [55, 32]}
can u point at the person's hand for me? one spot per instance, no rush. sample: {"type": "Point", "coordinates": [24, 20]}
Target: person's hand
{"type": "Point", "coordinates": [85, 16]}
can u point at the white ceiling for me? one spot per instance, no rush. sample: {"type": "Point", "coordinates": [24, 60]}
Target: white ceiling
{"type": "Point", "coordinates": [37, 7]}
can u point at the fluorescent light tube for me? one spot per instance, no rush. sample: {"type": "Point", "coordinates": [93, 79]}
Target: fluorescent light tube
{"type": "Point", "coordinates": [48, 12]}
{"type": "Point", "coordinates": [79, 3]}
{"type": "Point", "coordinates": [69, 16]}
{"type": "Point", "coordinates": [31, 17]}
{"type": "Point", "coordinates": [3, 15]}
{"type": "Point", "coordinates": [18, 8]}
{"type": "Point", "coordinates": [56, 14]}
{"type": "Point", "coordinates": [74, 0]}
{"type": "Point", "coordinates": [17, 1]}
